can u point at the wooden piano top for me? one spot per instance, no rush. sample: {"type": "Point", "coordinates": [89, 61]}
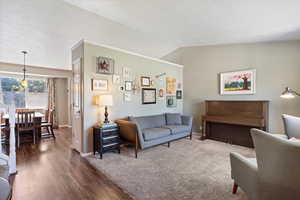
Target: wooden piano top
{"type": "Point", "coordinates": [247, 113]}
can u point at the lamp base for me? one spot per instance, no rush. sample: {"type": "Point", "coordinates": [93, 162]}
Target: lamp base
{"type": "Point", "coordinates": [106, 116]}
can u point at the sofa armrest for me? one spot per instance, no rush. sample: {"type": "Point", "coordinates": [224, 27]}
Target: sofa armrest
{"type": "Point", "coordinates": [187, 120]}
{"type": "Point", "coordinates": [244, 173]}
{"type": "Point", "coordinates": [128, 130]}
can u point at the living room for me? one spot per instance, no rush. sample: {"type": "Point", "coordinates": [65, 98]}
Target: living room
{"type": "Point", "coordinates": [160, 100]}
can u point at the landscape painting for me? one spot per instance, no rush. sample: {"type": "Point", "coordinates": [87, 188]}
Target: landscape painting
{"type": "Point", "coordinates": [238, 82]}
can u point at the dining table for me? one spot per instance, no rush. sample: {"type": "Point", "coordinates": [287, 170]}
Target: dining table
{"type": "Point", "coordinates": [37, 119]}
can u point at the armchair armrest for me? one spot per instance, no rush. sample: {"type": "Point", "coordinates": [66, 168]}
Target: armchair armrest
{"type": "Point", "coordinates": [244, 173]}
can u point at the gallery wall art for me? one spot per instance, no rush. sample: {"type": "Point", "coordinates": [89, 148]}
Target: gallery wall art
{"type": "Point", "coordinates": [171, 101]}
{"type": "Point", "coordinates": [148, 96]}
{"type": "Point", "coordinates": [99, 85]}
{"type": "Point", "coordinates": [238, 82]}
{"type": "Point", "coordinates": [170, 85]}
{"type": "Point", "coordinates": [105, 65]}
{"type": "Point", "coordinates": [145, 81]}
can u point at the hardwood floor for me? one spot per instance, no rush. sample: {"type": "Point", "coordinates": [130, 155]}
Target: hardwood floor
{"type": "Point", "coordinates": [52, 171]}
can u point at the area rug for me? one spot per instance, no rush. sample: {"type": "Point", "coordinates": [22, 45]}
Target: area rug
{"type": "Point", "coordinates": [192, 170]}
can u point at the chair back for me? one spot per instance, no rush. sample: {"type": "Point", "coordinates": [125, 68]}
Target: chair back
{"type": "Point", "coordinates": [291, 125]}
{"type": "Point", "coordinates": [278, 166]}
{"type": "Point", "coordinates": [25, 120]}
{"type": "Point", "coordinates": [49, 116]}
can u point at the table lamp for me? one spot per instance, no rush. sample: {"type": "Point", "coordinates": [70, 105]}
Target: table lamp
{"type": "Point", "coordinates": [105, 100]}
{"type": "Point", "coordinates": [288, 93]}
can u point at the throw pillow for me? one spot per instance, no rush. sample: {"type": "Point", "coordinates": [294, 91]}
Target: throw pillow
{"type": "Point", "coordinates": [173, 119]}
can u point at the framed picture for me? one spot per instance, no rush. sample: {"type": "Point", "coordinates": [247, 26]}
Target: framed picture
{"type": "Point", "coordinates": [179, 94]}
{"type": "Point", "coordinates": [238, 82]}
{"type": "Point", "coordinates": [161, 93]}
{"type": "Point", "coordinates": [145, 81]}
{"type": "Point", "coordinates": [128, 85]}
{"type": "Point", "coordinates": [105, 65]}
{"type": "Point", "coordinates": [148, 96]}
{"type": "Point", "coordinates": [171, 101]}
{"type": "Point", "coordinates": [171, 85]}
{"type": "Point", "coordinates": [99, 84]}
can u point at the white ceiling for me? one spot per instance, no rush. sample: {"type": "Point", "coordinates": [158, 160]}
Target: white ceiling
{"type": "Point", "coordinates": [48, 29]}
{"type": "Point", "coordinates": [204, 22]}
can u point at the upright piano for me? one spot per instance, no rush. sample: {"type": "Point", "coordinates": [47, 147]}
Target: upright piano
{"type": "Point", "coordinates": [231, 121]}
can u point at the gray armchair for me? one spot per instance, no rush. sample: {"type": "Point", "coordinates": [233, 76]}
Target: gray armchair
{"type": "Point", "coordinates": [274, 174]}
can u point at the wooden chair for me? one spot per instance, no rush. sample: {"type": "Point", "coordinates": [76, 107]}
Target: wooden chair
{"type": "Point", "coordinates": [25, 122]}
{"type": "Point", "coordinates": [48, 123]}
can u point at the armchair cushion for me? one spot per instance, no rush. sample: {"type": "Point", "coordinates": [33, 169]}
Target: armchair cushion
{"type": "Point", "coordinates": [173, 119]}
{"type": "Point", "coordinates": [291, 125]}
{"type": "Point", "coordinates": [155, 133]}
{"type": "Point", "coordinates": [177, 128]}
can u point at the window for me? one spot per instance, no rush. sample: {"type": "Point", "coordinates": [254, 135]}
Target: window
{"type": "Point", "coordinates": [33, 96]}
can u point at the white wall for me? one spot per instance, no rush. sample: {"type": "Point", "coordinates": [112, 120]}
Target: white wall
{"type": "Point", "coordinates": [48, 29]}
{"type": "Point", "coordinates": [277, 65]}
{"type": "Point", "coordinates": [139, 66]}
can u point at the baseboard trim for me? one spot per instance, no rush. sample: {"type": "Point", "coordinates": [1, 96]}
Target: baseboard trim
{"type": "Point", "coordinates": [64, 126]}
{"type": "Point", "coordinates": [86, 154]}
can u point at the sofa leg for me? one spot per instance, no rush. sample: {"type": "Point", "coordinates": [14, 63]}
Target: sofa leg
{"type": "Point", "coordinates": [191, 136]}
{"type": "Point", "coordinates": [136, 153]}
{"type": "Point", "coordinates": [234, 189]}
{"type": "Point", "coordinates": [169, 144]}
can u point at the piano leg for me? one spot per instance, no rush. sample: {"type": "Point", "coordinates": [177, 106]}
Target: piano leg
{"type": "Point", "coordinates": [203, 134]}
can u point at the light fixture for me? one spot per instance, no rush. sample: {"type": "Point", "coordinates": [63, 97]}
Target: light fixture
{"type": "Point", "coordinates": [24, 82]}
{"type": "Point", "coordinates": [105, 100]}
{"type": "Point", "coordinates": [288, 93]}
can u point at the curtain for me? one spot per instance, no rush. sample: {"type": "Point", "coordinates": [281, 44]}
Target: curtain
{"type": "Point", "coordinates": [51, 112]}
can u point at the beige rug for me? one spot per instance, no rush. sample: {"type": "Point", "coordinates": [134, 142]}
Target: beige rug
{"type": "Point", "coordinates": [192, 170]}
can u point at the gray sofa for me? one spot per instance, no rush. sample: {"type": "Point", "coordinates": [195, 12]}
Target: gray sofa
{"type": "Point", "coordinates": [148, 131]}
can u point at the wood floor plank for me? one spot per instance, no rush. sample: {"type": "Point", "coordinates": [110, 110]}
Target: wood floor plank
{"type": "Point", "coordinates": [52, 171]}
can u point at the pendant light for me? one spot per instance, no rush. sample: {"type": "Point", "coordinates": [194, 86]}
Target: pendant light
{"type": "Point", "coordinates": [24, 82]}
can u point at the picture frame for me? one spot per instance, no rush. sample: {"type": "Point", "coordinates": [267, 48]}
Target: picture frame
{"type": "Point", "coordinates": [148, 96]}
{"type": "Point", "coordinates": [145, 81]}
{"type": "Point", "coordinates": [161, 93]}
{"type": "Point", "coordinates": [171, 101]}
{"type": "Point", "coordinates": [179, 94]}
{"type": "Point", "coordinates": [105, 65]}
{"type": "Point", "coordinates": [171, 85]}
{"type": "Point", "coordinates": [238, 82]}
{"type": "Point", "coordinates": [128, 85]}
{"type": "Point", "coordinates": [99, 84]}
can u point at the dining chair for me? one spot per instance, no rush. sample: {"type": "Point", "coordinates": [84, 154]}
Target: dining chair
{"type": "Point", "coordinates": [48, 123]}
{"type": "Point", "coordinates": [25, 122]}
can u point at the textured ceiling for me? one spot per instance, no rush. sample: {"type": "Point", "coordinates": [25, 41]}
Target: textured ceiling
{"type": "Point", "coordinates": [204, 22]}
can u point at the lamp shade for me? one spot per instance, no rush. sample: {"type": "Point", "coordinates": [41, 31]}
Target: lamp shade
{"type": "Point", "coordinates": [288, 93]}
{"type": "Point", "coordinates": [105, 100]}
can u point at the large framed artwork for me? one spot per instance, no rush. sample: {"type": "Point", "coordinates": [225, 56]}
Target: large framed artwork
{"type": "Point", "coordinates": [238, 82]}
{"type": "Point", "coordinates": [99, 84]}
{"type": "Point", "coordinates": [170, 85]}
{"type": "Point", "coordinates": [148, 96]}
{"type": "Point", "coordinates": [105, 65]}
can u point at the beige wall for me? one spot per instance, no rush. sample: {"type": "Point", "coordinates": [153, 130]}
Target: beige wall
{"type": "Point", "coordinates": [277, 65]}
{"type": "Point", "coordinates": [139, 66]}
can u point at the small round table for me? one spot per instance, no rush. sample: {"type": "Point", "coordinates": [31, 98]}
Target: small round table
{"type": "Point", "coordinates": [5, 189]}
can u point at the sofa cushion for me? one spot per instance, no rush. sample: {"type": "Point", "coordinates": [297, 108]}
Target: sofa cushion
{"type": "Point", "coordinates": [155, 133]}
{"type": "Point", "coordinates": [178, 128]}
{"type": "Point", "coordinates": [173, 119]}
{"type": "Point", "coordinates": [153, 121]}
